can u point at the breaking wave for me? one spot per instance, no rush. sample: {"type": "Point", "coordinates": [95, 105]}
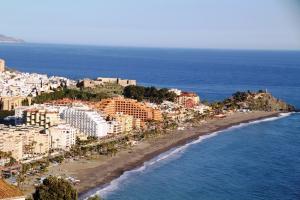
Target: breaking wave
{"type": "Point", "coordinates": [168, 155]}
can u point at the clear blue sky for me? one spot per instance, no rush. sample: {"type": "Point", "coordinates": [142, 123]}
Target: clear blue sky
{"type": "Point", "coordinates": [255, 24]}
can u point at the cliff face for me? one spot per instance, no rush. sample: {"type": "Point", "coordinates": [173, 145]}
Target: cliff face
{"type": "Point", "coordinates": [260, 101]}
{"type": "Point", "coordinates": [6, 39]}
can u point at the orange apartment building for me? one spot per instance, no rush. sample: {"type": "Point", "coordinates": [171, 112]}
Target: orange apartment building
{"type": "Point", "coordinates": [131, 107]}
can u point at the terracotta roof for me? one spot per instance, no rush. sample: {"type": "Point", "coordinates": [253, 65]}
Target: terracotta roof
{"type": "Point", "coordinates": [9, 191]}
{"type": "Point", "coordinates": [188, 94]}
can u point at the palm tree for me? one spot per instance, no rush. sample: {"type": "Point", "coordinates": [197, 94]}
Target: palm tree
{"type": "Point", "coordinates": [20, 179]}
{"type": "Point", "coordinates": [41, 144]}
{"type": "Point", "coordinates": [57, 143]}
{"type": "Point", "coordinates": [33, 143]}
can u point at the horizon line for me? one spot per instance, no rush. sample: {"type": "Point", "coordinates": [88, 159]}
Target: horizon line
{"type": "Point", "coordinates": [152, 47]}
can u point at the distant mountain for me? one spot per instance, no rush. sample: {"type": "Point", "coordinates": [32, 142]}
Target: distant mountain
{"type": "Point", "coordinates": [7, 39]}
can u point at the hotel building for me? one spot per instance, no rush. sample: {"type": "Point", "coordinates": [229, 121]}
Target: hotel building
{"type": "Point", "coordinates": [41, 117]}
{"type": "Point", "coordinates": [138, 110]}
{"type": "Point", "coordinates": [62, 136]}
{"type": "Point", "coordinates": [87, 121]}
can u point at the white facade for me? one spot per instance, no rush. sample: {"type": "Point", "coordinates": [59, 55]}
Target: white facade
{"type": "Point", "coordinates": [176, 91]}
{"type": "Point", "coordinates": [24, 84]}
{"type": "Point", "coordinates": [87, 121]}
{"type": "Point", "coordinates": [62, 136]}
{"type": "Point", "coordinates": [115, 127]}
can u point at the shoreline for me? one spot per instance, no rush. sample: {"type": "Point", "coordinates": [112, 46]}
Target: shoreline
{"type": "Point", "coordinates": [109, 169]}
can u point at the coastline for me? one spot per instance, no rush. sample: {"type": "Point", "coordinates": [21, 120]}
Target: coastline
{"type": "Point", "coordinates": [97, 173]}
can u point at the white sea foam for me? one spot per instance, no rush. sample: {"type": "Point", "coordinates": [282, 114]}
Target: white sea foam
{"type": "Point", "coordinates": [113, 185]}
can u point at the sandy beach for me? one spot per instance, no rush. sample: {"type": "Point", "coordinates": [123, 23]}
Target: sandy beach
{"type": "Point", "coordinates": [97, 172]}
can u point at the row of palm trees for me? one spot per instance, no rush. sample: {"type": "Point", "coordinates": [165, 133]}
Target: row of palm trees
{"type": "Point", "coordinates": [32, 146]}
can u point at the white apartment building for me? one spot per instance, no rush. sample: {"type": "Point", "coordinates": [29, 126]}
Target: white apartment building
{"type": "Point", "coordinates": [114, 127]}
{"type": "Point", "coordinates": [62, 136]}
{"type": "Point", "coordinates": [38, 115]}
{"type": "Point", "coordinates": [87, 121]}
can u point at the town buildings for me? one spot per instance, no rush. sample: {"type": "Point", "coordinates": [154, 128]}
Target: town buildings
{"type": "Point", "coordinates": [21, 140]}
{"type": "Point", "coordinates": [26, 141]}
{"type": "Point", "coordinates": [2, 65]}
{"type": "Point", "coordinates": [113, 106]}
{"type": "Point", "coordinates": [19, 84]}
{"type": "Point", "coordinates": [41, 117]}
{"type": "Point", "coordinates": [188, 99]}
{"type": "Point", "coordinates": [126, 122]}
{"type": "Point", "coordinates": [86, 120]}
{"type": "Point", "coordinates": [115, 127]}
{"type": "Point", "coordinates": [10, 103]}
{"type": "Point", "coordinates": [62, 136]}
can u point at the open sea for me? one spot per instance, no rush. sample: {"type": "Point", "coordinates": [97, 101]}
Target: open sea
{"type": "Point", "coordinates": [258, 160]}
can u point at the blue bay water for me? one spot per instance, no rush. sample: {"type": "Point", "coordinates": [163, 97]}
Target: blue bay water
{"type": "Point", "coordinates": [259, 161]}
{"type": "Point", "coordinates": [214, 74]}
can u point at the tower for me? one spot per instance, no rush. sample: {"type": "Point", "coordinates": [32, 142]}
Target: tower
{"type": "Point", "coordinates": [2, 65]}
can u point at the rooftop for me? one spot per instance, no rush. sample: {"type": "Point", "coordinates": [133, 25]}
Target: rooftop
{"type": "Point", "coordinates": [9, 191]}
{"type": "Point", "coordinates": [188, 94]}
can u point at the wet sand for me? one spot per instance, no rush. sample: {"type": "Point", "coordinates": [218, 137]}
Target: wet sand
{"type": "Point", "coordinates": [100, 171]}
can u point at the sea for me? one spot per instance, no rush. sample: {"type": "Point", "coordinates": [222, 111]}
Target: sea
{"type": "Point", "coordinates": [258, 160]}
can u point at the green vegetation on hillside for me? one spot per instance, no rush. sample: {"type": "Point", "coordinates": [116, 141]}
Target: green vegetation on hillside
{"type": "Point", "coordinates": [70, 93]}
{"type": "Point", "coordinates": [111, 89]}
{"type": "Point", "coordinates": [260, 100]}
{"type": "Point", "coordinates": [151, 94]}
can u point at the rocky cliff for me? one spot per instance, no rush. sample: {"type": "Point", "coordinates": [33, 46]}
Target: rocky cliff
{"type": "Point", "coordinates": [261, 100]}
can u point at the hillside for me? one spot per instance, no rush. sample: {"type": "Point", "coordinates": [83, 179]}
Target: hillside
{"type": "Point", "coordinates": [7, 39]}
{"type": "Point", "coordinates": [260, 100]}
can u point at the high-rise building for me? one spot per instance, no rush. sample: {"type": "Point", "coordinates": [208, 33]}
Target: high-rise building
{"type": "Point", "coordinates": [86, 121]}
{"type": "Point", "coordinates": [41, 117]}
{"type": "Point", "coordinates": [2, 65]}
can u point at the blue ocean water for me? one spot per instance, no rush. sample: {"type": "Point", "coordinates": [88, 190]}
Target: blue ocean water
{"type": "Point", "coordinates": [214, 74]}
{"type": "Point", "coordinates": [257, 161]}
